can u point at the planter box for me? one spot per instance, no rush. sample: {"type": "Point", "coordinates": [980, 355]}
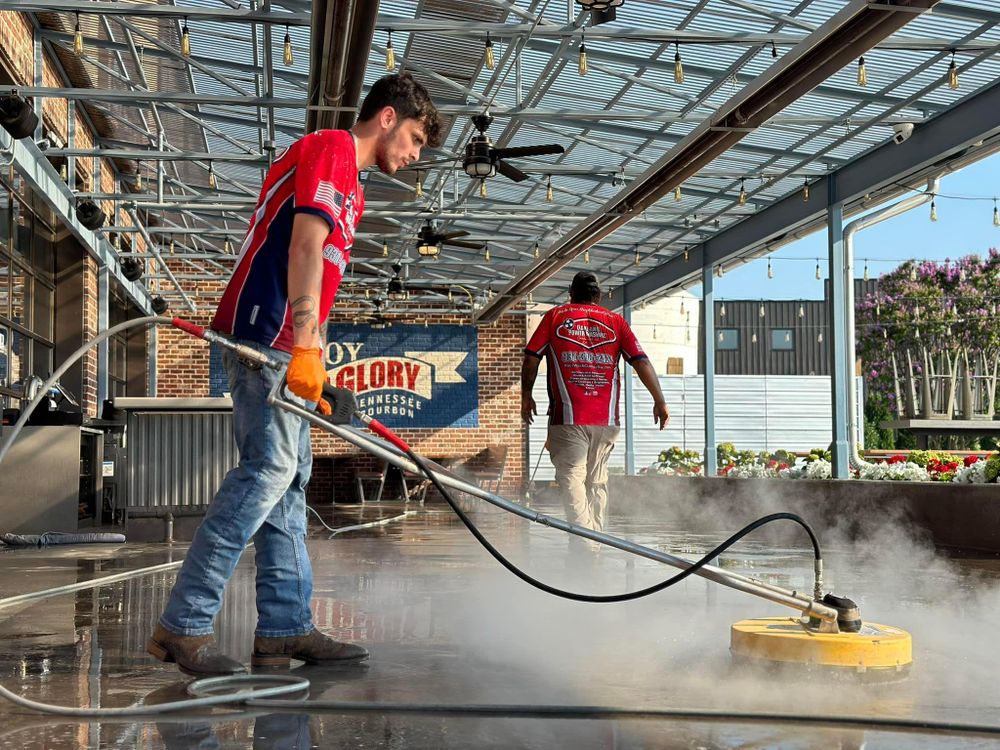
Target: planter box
{"type": "Point", "coordinates": [964, 517]}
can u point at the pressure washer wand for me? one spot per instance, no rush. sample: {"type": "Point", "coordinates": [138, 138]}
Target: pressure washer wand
{"type": "Point", "coordinates": [241, 350]}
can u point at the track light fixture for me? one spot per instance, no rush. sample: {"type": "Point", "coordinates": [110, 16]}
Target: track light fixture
{"type": "Point", "coordinates": [390, 54]}
{"type": "Point", "coordinates": [90, 214]}
{"type": "Point", "coordinates": [131, 269]}
{"type": "Point", "coordinates": [490, 60]}
{"type": "Point", "coordinates": [17, 116]}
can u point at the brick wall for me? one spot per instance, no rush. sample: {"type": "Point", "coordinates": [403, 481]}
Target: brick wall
{"type": "Point", "coordinates": [183, 367]}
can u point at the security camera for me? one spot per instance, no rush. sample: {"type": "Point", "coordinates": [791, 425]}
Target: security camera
{"type": "Point", "coordinates": [44, 144]}
{"type": "Point", "coordinates": [901, 131]}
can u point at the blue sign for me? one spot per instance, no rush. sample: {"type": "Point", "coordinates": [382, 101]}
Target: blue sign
{"type": "Point", "coordinates": [408, 375]}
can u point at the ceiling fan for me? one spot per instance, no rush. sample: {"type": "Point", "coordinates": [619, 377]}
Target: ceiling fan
{"type": "Point", "coordinates": [483, 160]}
{"type": "Point", "coordinates": [429, 241]}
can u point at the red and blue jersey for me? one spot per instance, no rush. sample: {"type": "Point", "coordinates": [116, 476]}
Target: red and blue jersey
{"type": "Point", "coordinates": [318, 174]}
{"type": "Point", "coordinates": [582, 345]}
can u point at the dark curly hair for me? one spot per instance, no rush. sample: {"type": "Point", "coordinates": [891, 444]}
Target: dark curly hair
{"type": "Point", "coordinates": [409, 98]}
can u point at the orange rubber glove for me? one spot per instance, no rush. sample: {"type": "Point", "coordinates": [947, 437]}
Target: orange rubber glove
{"type": "Point", "coordinates": [306, 376]}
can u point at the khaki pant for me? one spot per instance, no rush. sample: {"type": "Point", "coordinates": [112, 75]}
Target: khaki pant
{"type": "Point", "coordinates": [580, 456]}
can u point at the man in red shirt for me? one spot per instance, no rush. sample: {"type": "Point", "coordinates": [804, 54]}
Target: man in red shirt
{"type": "Point", "coordinates": [277, 301]}
{"type": "Point", "coordinates": [581, 343]}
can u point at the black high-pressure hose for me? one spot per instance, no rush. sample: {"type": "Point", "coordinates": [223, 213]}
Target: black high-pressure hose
{"type": "Point", "coordinates": [624, 597]}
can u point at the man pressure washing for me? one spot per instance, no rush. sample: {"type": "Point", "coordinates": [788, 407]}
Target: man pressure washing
{"type": "Point", "coordinates": [277, 302]}
{"type": "Point", "coordinates": [582, 343]}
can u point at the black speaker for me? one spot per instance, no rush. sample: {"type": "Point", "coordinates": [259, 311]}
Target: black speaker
{"type": "Point", "coordinates": [90, 214]}
{"type": "Point", "coordinates": [17, 116]}
{"type": "Point", "coordinates": [160, 305]}
{"type": "Point", "coordinates": [131, 269]}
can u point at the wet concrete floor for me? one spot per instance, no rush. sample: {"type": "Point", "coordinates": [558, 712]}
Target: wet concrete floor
{"type": "Point", "coordinates": [446, 624]}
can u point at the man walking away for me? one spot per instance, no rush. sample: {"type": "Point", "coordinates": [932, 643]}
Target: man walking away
{"type": "Point", "coordinates": [582, 343]}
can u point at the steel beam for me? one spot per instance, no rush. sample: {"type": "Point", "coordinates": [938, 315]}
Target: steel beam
{"type": "Point", "coordinates": [149, 10]}
{"type": "Point", "coordinates": [134, 97]}
{"type": "Point", "coordinates": [840, 448]}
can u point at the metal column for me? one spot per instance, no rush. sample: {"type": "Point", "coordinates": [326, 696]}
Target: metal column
{"type": "Point", "coordinates": [629, 403]}
{"type": "Point", "coordinates": [103, 295]}
{"type": "Point", "coordinates": [708, 344]}
{"type": "Point", "coordinates": [152, 358]}
{"type": "Point", "coordinates": [838, 333]}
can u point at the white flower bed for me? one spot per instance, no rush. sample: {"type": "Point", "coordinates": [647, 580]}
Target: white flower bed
{"type": "Point", "coordinates": [821, 469]}
{"type": "Point", "coordinates": [975, 474]}
{"type": "Point", "coordinates": [752, 471]}
{"type": "Point", "coordinates": [905, 472]}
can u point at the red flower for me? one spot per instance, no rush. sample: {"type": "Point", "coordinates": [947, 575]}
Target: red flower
{"type": "Point", "coordinates": [969, 460]}
{"type": "Point", "coordinates": [896, 460]}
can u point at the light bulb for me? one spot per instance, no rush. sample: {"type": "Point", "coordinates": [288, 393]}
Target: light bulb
{"type": "Point", "coordinates": [586, 256]}
{"type": "Point", "coordinates": [289, 58]}
{"type": "Point", "coordinates": [487, 253]}
{"type": "Point", "coordinates": [952, 73]}
{"type": "Point", "coordinates": [770, 271]}
{"type": "Point", "coordinates": [774, 51]}
{"type": "Point", "coordinates": [818, 274]}
{"type": "Point", "coordinates": [996, 215]}
{"type": "Point", "coordinates": [753, 338]}
{"type": "Point", "coordinates": [227, 246]}
{"type": "Point", "coordinates": [212, 182]}
{"type": "Point", "coordinates": [385, 249]}
{"type": "Point", "coordinates": [761, 310]}
{"type": "Point", "coordinates": [722, 310]}
{"type": "Point", "coordinates": [77, 37]}
{"type": "Point", "coordinates": [482, 188]}
{"type": "Point", "coordinates": [390, 54]}
{"type": "Point", "coordinates": [720, 337]}
{"type": "Point", "coordinates": [418, 188]}
{"type": "Point", "coordinates": [185, 39]}
{"type": "Point", "coordinates": [866, 271]}
{"type": "Point", "coordinates": [862, 72]}
{"type": "Point", "coordinates": [933, 210]}
{"type": "Point", "coordinates": [490, 60]}
{"type": "Point", "coordinates": [677, 193]}
{"type": "Point", "coordinates": [637, 259]}
{"type": "Point", "coordinates": [582, 66]}
{"type": "Point", "coordinates": [819, 337]}
{"type": "Point", "coordinates": [802, 311]}
{"type": "Point", "coordinates": [678, 65]}
{"type": "Point", "coordinates": [171, 247]}
{"type": "Point", "coordinates": [536, 251]}
{"type": "Point", "coordinates": [548, 190]}
{"type": "Point", "coordinates": [743, 193]}
{"type": "Point", "coordinates": [805, 192]}
{"type": "Point", "coordinates": [138, 177]}
{"type": "Point", "coordinates": [687, 254]}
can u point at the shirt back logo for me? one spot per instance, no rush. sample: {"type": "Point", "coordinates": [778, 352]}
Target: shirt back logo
{"type": "Point", "coordinates": [586, 332]}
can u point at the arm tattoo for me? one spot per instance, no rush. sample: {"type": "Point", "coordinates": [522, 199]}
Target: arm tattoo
{"type": "Point", "coordinates": [304, 313]}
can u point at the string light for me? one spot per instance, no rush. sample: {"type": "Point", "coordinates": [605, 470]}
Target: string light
{"type": "Point", "coordinates": [487, 254]}
{"type": "Point", "coordinates": [637, 259]}
{"type": "Point", "coordinates": [743, 192]}
{"type": "Point", "coordinates": [761, 310]}
{"type": "Point", "coordinates": [753, 338]}
{"type": "Point", "coordinates": [77, 37]}
{"type": "Point", "coordinates": [678, 66]}
{"type": "Point", "coordinates": [418, 188]}
{"type": "Point", "coordinates": [802, 311]}
{"type": "Point", "coordinates": [862, 72]}
{"type": "Point", "coordinates": [677, 193]}
{"type": "Point", "coordinates": [171, 247]}
{"type": "Point", "coordinates": [770, 271]}
{"type": "Point", "coordinates": [933, 208]}
{"type": "Point", "coordinates": [819, 338]}
{"type": "Point", "coordinates": [64, 172]}
{"type": "Point", "coordinates": [788, 336]}
{"type": "Point", "coordinates": [212, 182]}
{"type": "Point", "coordinates": [952, 73]}
{"type": "Point", "coordinates": [774, 51]}
{"type": "Point", "coordinates": [722, 310]}
{"type": "Point", "coordinates": [720, 337]}
{"type": "Point", "coordinates": [531, 299]}
{"type": "Point", "coordinates": [138, 176]}
{"type": "Point", "coordinates": [482, 188]}
{"type": "Point", "coordinates": [385, 249]}
{"type": "Point", "coordinates": [582, 63]}
{"type": "Point", "coordinates": [537, 253]}
{"type": "Point", "coordinates": [586, 256]}
{"type": "Point", "coordinates": [548, 189]}
{"type": "Point", "coordinates": [996, 214]}
{"type": "Point", "coordinates": [289, 58]}
{"type": "Point", "coordinates": [913, 273]}
{"type": "Point", "coordinates": [805, 191]}
{"type": "Point", "coordinates": [488, 53]}
{"type": "Point", "coordinates": [682, 307]}
{"type": "Point", "coordinates": [866, 271]}
{"type": "Point", "coordinates": [227, 246]}
{"type": "Point", "coordinates": [818, 274]}
{"type": "Point", "coordinates": [185, 39]}
{"type": "Point", "coordinates": [390, 54]}
{"type": "Point", "coordinates": [686, 254]}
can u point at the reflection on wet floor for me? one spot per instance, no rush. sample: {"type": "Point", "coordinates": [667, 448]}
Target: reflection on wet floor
{"type": "Point", "coordinates": [446, 624]}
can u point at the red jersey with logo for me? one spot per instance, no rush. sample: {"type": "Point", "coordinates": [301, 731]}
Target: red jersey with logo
{"type": "Point", "coordinates": [318, 174]}
{"type": "Point", "coordinates": [582, 345]}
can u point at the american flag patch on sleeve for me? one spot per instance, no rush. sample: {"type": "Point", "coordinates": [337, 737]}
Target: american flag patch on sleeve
{"type": "Point", "coordinates": [329, 196]}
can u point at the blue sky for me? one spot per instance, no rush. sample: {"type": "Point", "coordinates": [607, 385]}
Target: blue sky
{"type": "Point", "coordinates": [963, 228]}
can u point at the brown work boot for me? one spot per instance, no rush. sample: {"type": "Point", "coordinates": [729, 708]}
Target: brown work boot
{"type": "Point", "coordinates": [313, 648]}
{"type": "Point", "coordinates": [196, 655]}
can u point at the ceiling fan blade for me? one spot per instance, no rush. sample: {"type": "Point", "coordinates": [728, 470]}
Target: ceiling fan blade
{"type": "Point", "coordinates": [519, 151]}
{"type": "Point", "coordinates": [467, 245]}
{"type": "Point", "coordinates": [510, 171]}
{"type": "Point", "coordinates": [450, 236]}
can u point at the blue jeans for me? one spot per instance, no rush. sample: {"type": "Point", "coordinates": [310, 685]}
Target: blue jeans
{"type": "Point", "coordinates": [263, 498]}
